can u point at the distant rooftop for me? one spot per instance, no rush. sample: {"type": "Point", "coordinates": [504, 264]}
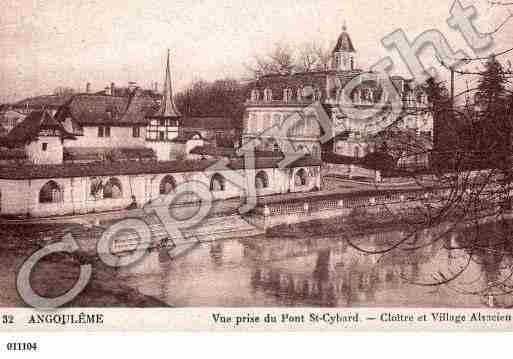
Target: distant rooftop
{"type": "Point", "coordinates": [28, 129]}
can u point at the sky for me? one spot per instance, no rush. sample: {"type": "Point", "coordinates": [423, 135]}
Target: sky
{"type": "Point", "coordinates": [45, 44]}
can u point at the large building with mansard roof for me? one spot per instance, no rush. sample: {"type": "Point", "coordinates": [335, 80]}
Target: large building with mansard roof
{"type": "Point", "coordinates": [273, 98]}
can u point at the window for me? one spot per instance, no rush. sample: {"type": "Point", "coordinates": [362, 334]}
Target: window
{"type": "Point", "coordinates": [112, 189]}
{"type": "Point", "coordinates": [107, 131]}
{"type": "Point", "coordinates": [356, 152]}
{"type": "Point", "coordinates": [162, 122]}
{"type": "Point", "coordinates": [167, 185]}
{"type": "Point", "coordinates": [268, 95]}
{"type": "Point", "coordinates": [162, 136]}
{"type": "Point", "coordinates": [136, 132]}
{"type": "Point", "coordinates": [51, 192]}
{"type": "Point", "coordinates": [317, 95]}
{"type": "Point", "coordinates": [100, 131]}
{"type": "Point", "coordinates": [307, 93]}
{"type": "Point", "coordinates": [300, 178]}
{"type": "Point", "coordinates": [315, 151]}
{"type": "Point", "coordinates": [299, 94]}
{"type": "Point", "coordinates": [45, 146]}
{"type": "Point", "coordinates": [255, 95]}
{"type": "Point", "coordinates": [287, 95]}
{"type": "Point", "coordinates": [217, 183]}
{"type": "Point", "coordinates": [261, 180]}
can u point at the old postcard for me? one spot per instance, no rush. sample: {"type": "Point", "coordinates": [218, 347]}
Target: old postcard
{"type": "Point", "coordinates": [256, 165]}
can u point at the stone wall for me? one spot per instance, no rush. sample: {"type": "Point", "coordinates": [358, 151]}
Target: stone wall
{"type": "Point", "coordinates": [76, 195]}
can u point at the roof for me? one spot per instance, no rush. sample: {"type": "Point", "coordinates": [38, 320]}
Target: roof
{"type": "Point", "coordinates": [328, 82]}
{"type": "Point", "coordinates": [183, 137]}
{"type": "Point", "coordinates": [94, 109]}
{"type": "Point", "coordinates": [11, 114]}
{"type": "Point", "coordinates": [210, 150]}
{"type": "Point", "coordinates": [278, 83]}
{"type": "Point", "coordinates": [209, 123]}
{"type": "Point", "coordinates": [28, 130]}
{"type": "Point", "coordinates": [12, 154]}
{"type": "Point", "coordinates": [135, 168]}
{"type": "Point", "coordinates": [46, 101]}
{"type": "Point", "coordinates": [168, 107]}
{"type": "Point", "coordinates": [344, 42]}
{"type": "Point", "coordinates": [105, 153]}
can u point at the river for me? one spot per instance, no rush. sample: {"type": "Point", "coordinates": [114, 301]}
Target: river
{"type": "Point", "coordinates": [286, 271]}
{"type": "Point", "coordinates": [275, 272]}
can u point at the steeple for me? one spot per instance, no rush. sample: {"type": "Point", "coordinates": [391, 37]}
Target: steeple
{"type": "Point", "coordinates": [344, 42]}
{"type": "Point", "coordinates": [167, 107]}
{"type": "Point", "coordinates": [344, 52]}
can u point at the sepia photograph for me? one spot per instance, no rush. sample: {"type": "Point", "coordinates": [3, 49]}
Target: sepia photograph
{"type": "Point", "coordinates": [302, 155]}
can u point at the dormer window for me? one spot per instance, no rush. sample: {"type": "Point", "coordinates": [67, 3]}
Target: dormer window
{"type": "Point", "coordinates": [255, 95]}
{"type": "Point", "coordinates": [287, 95]}
{"type": "Point", "coordinates": [307, 93]}
{"type": "Point", "coordinates": [317, 95]}
{"type": "Point", "coordinates": [268, 95]}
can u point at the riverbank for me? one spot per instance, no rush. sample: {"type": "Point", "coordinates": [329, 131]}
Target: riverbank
{"type": "Point", "coordinates": [357, 224]}
{"type": "Point", "coordinates": [57, 273]}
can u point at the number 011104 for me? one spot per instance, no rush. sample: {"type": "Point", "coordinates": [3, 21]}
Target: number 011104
{"type": "Point", "coordinates": [22, 347]}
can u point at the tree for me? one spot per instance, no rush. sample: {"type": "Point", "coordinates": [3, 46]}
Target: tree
{"type": "Point", "coordinates": [285, 59]}
{"type": "Point", "coordinates": [63, 90]}
{"type": "Point", "coordinates": [224, 97]}
{"type": "Point", "coordinates": [312, 56]}
{"type": "Point", "coordinates": [493, 115]}
{"type": "Point", "coordinates": [279, 61]}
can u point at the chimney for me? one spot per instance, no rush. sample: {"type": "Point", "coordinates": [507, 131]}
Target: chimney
{"type": "Point", "coordinates": [132, 86]}
{"type": "Point", "coordinates": [112, 89]}
{"type": "Point", "coordinates": [156, 88]}
{"type": "Point", "coordinates": [108, 91]}
{"type": "Point", "coordinates": [88, 87]}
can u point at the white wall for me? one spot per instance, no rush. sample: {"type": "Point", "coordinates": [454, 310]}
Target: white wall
{"type": "Point", "coordinates": [21, 197]}
{"type": "Point", "coordinates": [119, 137]}
{"type": "Point", "coordinates": [164, 150]}
{"type": "Point", "coordinates": [52, 155]}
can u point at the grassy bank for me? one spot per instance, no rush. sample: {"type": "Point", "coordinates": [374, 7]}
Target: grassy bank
{"type": "Point", "coordinates": [55, 274]}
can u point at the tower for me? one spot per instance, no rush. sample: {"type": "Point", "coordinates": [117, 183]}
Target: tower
{"type": "Point", "coordinates": [344, 53]}
{"type": "Point", "coordinates": [163, 124]}
{"type": "Point", "coordinates": [168, 108]}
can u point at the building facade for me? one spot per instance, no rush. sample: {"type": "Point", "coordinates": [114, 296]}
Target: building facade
{"type": "Point", "coordinates": [344, 92]}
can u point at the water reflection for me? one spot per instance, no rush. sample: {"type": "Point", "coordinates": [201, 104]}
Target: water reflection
{"type": "Point", "coordinates": [322, 272]}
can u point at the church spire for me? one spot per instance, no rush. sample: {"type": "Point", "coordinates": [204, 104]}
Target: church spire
{"type": "Point", "coordinates": [168, 108]}
{"type": "Point", "coordinates": [344, 53]}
